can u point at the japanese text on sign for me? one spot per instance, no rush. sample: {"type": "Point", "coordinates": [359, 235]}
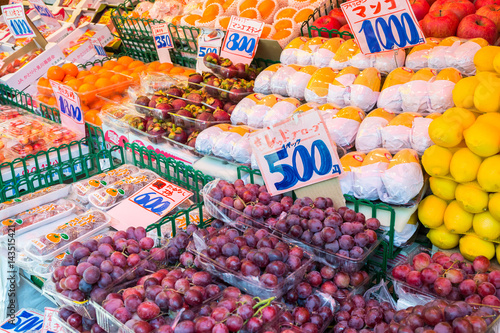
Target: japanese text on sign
{"type": "Point", "coordinates": [45, 13]}
{"type": "Point", "coordinates": [382, 25]}
{"type": "Point", "coordinates": [242, 38]}
{"type": "Point", "coordinates": [295, 153]}
{"type": "Point", "coordinates": [68, 103]}
{"type": "Point", "coordinates": [163, 41]}
{"type": "Point", "coordinates": [98, 47]}
{"type": "Point", "coordinates": [16, 21]}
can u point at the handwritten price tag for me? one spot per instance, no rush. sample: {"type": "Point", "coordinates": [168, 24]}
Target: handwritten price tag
{"type": "Point", "coordinates": [16, 21]}
{"type": "Point", "coordinates": [209, 41]}
{"type": "Point", "coordinates": [98, 47]}
{"type": "Point", "coordinates": [295, 153]}
{"type": "Point", "coordinates": [45, 13]}
{"type": "Point", "coordinates": [163, 41]}
{"type": "Point", "coordinates": [383, 25]}
{"type": "Point", "coordinates": [50, 324]}
{"type": "Point", "coordinates": [70, 108]}
{"type": "Point", "coordinates": [26, 320]}
{"type": "Point", "coordinates": [152, 202]}
{"type": "Point", "coordinates": [242, 38]}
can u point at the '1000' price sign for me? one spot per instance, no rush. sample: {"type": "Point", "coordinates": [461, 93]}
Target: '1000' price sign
{"type": "Point", "coordinates": [242, 38]}
{"type": "Point", "coordinates": [382, 25]}
{"type": "Point", "coordinates": [295, 153]}
{"type": "Point", "coordinates": [70, 107]}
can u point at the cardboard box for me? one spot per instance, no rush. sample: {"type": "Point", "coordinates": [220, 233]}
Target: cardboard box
{"type": "Point", "coordinates": [61, 33]}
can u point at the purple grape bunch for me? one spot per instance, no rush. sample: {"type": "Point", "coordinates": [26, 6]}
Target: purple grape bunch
{"type": "Point", "coordinates": [79, 323]}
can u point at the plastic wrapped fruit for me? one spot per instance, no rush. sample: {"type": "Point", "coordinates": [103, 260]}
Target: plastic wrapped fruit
{"type": "Point", "coordinates": [419, 137]}
{"type": "Point", "coordinates": [305, 54]}
{"type": "Point", "coordinates": [206, 138]}
{"type": "Point", "coordinates": [322, 56]}
{"type": "Point", "coordinates": [390, 97]}
{"type": "Point", "coordinates": [418, 57]}
{"type": "Point", "coordinates": [396, 135]}
{"type": "Point", "coordinates": [368, 136]}
{"type": "Point", "coordinates": [344, 125]}
{"type": "Point", "coordinates": [415, 93]}
{"type": "Point", "coordinates": [279, 81]}
{"type": "Point", "coordinates": [365, 89]}
{"type": "Point", "coordinates": [367, 178]}
{"type": "Point", "coordinates": [240, 112]}
{"type": "Point", "coordinates": [339, 90]}
{"type": "Point", "coordinates": [263, 81]}
{"type": "Point", "coordinates": [288, 55]}
{"type": "Point", "coordinates": [298, 81]}
{"type": "Point", "coordinates": [348, 161]}
{"type": "Point", "coordinates": [280, 111]}
{"type": "Point", "coordinates": [440, 90]}
{"type": "Point", "coordinates": [257, 113]}
{"type": "Point", "coordinates": [317, 87]}
{"type": "Point", "coordinates": [344, 54]}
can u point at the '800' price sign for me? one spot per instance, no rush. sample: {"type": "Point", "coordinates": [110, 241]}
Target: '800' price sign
{"type": "Point", "coordinates": [295, 153]}
{"type": "Point", "coordinates": [383, 25]}
{"type": "Point", "coordinates": [242, 38]}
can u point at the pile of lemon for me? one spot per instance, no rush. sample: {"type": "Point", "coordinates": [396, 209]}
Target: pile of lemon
{"type": "Point", "coordinates": [464, 164]}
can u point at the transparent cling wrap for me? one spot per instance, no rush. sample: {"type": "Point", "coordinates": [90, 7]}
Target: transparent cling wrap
{"type": "Point", "coordinates": [402, 183]}
{"type": "Point", "coordinates": [109, 196]}
{"type": "Point", "coordinates": [369, 136]}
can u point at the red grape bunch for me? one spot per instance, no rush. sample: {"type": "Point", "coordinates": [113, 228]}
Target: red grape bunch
{"type": "Point", "coordinates": [232, 312]}
{"type": "Point", "coordinates": [248, 203]}
{"type": "Point", "coordinates": [342, 232]}
{"type": "Point", "coordinates": [440, 316]}
{"type": "Point", "coordinates": [357, 314]}
{"type": "Point", "coordinates": [94, 265]}
{"type": "Point", "coordinates": [142, 307]}
{"type": "Point", "coordinates": [255, 254]}
{"type": "Point", "coordinates": [452, 277]}
{"type": "Point", "coordinates": [327, 280]}
{"type": "Point", "coordinates": [177, 245]}
{"type": "Point", "coordinates": [79, 323]}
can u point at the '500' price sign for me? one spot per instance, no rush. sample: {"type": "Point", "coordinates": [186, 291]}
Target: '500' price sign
{"type": "Point", "coordinates": [383, 25]}
{"type": "Point", "coordinates": [295, 153]}
{"type": "Point", "coordinates": [242, 38]}
{"type": "Point", "coordinates": [16, 21]}
{"type": "Point", "coordinates": [70, 107]}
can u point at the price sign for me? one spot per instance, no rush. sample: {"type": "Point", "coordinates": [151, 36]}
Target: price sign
{"type": "Point", "coordinates": [163, 41]}
{"type": "Point", "coordinates": [69, 107]}
{"type": "Point", "coordinates": [209, 41]}
{"type": "Point", "coordinates": [45, 13]}
{"type": "Point", "coordinates": [295, 153]}
{"type": "Point", "coordinates": [25, 321]}
{"type": "Point", "coordinates": [382, 25]}
{"type": "Point", "coordinates": [50, 324]}
{"type": "Point", "coordinates": [98, 47]}
{"type": "Point", "coordinates": [16, 21]}
{"type": "Point", "coordinates": [152, 202]}
{"type": "Point", "coordinates": [242, 38]}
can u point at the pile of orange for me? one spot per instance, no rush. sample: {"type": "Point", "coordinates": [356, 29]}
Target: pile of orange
{"type": "Point", "coordinates": [100, 85]}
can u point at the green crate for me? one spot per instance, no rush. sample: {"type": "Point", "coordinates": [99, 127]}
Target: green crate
{"type": "Point", "coordinates": [306, 28]}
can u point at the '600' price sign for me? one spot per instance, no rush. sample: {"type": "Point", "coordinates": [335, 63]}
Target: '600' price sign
{"type": "Point", "coordinates": [295, 153]}
{"type": "Point", "coordinates": [382, 25]}
{"type": "Point", "coordinates": [70, 107]}
{"type": "Point", "coordinates": [242, 38]}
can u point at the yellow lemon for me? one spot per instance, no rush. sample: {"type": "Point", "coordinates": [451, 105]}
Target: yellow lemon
{"type": "Point", "coordinates": [483, 139]}
{"type": "Point", "coordinates": [494, 205]}
{"type": "Point", "coordinates": [471, 197]}
{"type": "Point", "coordinates": [486, 226]}
{"type": "Point", "coordinates": [483, 59]}
{"type": "Point", "coordinates": [472, 247]}
{"type": "Point", "coordinates": [463, 92]}
{"type": "Point", "coordinates": [461, 115]}
{"type": "Point", "coordinates": [456, 219]}
{"type": "Point", "coordinates": [496, 63]}
{"type": "Point", "coordinates": [492, 118]}
{"type": "Point", "coordinates": [464, 165]}
{"type": "Point", "coordinates": [431, 211]}
{"type": "Point", "coordinates": [488, 175]}
{"type": "Point", "coordinates": [443, 188]}
{"type": "Point", "coordinates": [498, 252]}
{"type": "Point", "coordinates": [436, 161]}
{"type": "Point", "coordinates": [442, 238]}
{"type": "Point", "coordinates": [487, 93]}
{"type": "Point", "coordinates": [446, 132]}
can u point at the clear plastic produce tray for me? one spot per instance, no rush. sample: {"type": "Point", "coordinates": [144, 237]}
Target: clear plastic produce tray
{"type": "Point", "coordinates": [65, 327]}
{"type": "Point", "coordinates": [84, 308]}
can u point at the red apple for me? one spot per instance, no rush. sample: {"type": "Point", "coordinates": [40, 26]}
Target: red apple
{"type": "Point", "coordinates": [440, 24]}
{"type": "Point", "coordinates": [482, 3]}
{"type": "Point", "coordinates": [437, 5]}
{"type": "Point", "coordinates": [346, 28]}
{"type": "Point", "coordinates": [492, 12]}
{"type": "Point", "coordinates": [474, 26]}
{"type": "Point", "coordinates": [461, 8]}
{"type": "Point", "coordinates": [420, 8]}
{"type": "Point", "coordinates": [325, 22]}
{"type": "Point", "coordinates": [337, 14]}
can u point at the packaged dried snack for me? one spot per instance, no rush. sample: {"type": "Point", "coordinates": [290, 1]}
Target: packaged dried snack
{"type": "Point", "coordinates": [46, 246]}
{"type": "Point", "coordinates": [111, 195]}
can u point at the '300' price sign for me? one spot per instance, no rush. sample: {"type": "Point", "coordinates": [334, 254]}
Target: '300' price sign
{"type": "Point", "coordinates": [383, 25]}
{"type": "Point", "coordinates": [69, 104]}
{"type": "Point", "coordinates": [295, 153]}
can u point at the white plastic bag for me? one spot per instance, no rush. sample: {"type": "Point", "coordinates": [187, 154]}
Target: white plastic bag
{"type": "Point", "coordinates": [419, 138]}
{"type": "Point", "coordinates": [402, 183]}
{"type": "Point", "coordinates": [390, 99]}
{"type": "Point", "coordinates": [441, 95]}
{"type": "Point", "coordinates": [206, 138]}
{"type": "Point", "coordinates": [369, 136]}
{"type": "Point", "coordinates": [415, 96]}
{"type": "Point", "coordinates": [363, 97]}
{"type": "Point", "coordinates": [395, 138]}
{"type": "Point", "coordinates": [368, 181]}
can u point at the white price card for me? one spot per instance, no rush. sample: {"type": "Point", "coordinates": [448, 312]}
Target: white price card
{"type": "Point", "coordinates": [382, 25]}
{"type": "Point", "coordinates": [70, 108]}
{"type": "Point", "coordinates": [209, 41]}
{"type": "Point", "coordinates": [296, 152]}
{"type": "Point", "coordinates": [45, 13]}
{"type": "Point", "coordinates": [24, 321]}
{"type": "Point", "coordinates": [163, 41]}
{"type": "Point", "coordinates": [50, 325]}
{"type": "Point", "coordinates": [151, 203]}
{"type": "Point", "coordinates": [242, 39]}
{"type": "Point", "coordinates": [16, 21]}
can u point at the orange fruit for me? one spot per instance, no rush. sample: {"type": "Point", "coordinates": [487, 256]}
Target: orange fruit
{"type": "Point", "coordinates": [191, 19]}
{"type": "Point", "coordinates": [43, 98]}
{"type": "Point", "coordinates": [90, 116]}
{"type": "Point", "coordinates": [165, 67]}
{"type": "Point", "coordinates": [212, 11]}
{"type": "Point", "coordinates": [52, 101]}
{"type": "Point", "coordinates": [97, 120]}
{"type": "Point", "coordinates": [70, 69]}
{"type": "Point", "coordinates": [124, 61]}
{"type": "Point", "coordinates": [117, 78]}
{"type": "Point", "coordinates": [250, 13]}
{"type": "Point", "coordinates": [139, 69]}
{"type": "Point", "coordinates": [82, 74]}
{"type": "Point", "coordinates": [227, 4]}
{"type": "Point", "coordinates": [90, 79]}
{"type": "Point", "coordinates": [55, 73]}
{"type": "Point", "coordinates": [84, 108]}
{"type": "Point", "coordinates": [177, 70]}
{"type": "Point", "coordinates": [116, 97]}
{"type": "Point", "coordinates": [266, 8]}
{"type": "Point", "coordinates": [135, 77]}
{"type": "Point", "coordinates": [119, 68]}
{"type": "Point", "coordinates": [303, 15]}
{"type": "Point", "coordinates": [209, 2]}
{"type": "Point", "coordinates": [154, 65]}
{"type": "Point", "coordinates": [95, 69]}
{"type": "Point", "coordinates": [102, 83]}
{"type": "Point", "coordinates": [97, 104]}
{"type": "Point", "coordinates": [224, 22]}
{"type": "Point", "coordinates": [105, 73]}
{"type": "Point", "coordinates": [177, 20]}
{"type": "Point", "coordinates": [135, 64]}
{"type": "Point", "coordinates": [188, 72]}
{"type": "Point", "coordinates": [87, 93]}
{"type": "Point", "coordinates": [266, 31]}
{"type": "Point", "coordinates": [44, 86]}
{"type": "Point", "coordinates": [74, 84]}
{"type": "Point", "coordinates": [283, 24]}
{"type": "Point", "coordinates": [285, 13]}
{"type": "Point", "coordinates": [127, 72]}
{"type": "Point", "coordinates": [68, 78]}
{"type": "Point", "coordinates": [281, 34]}
{"type": "Point", "coordinates": [110, 64]}
{"type": "Point", "coordinates": [247, 4]}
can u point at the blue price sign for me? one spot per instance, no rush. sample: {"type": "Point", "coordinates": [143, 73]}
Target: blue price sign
{"type": "Point", "coordinates": [295, 153]}
{"type": "Point", "coordinates": [25, 321]}
{"type": "Point", "coordinates": [163, 41]}
{"type": "Point", "coordinates": [383, 25]}
{"type": "Point", "coordinates": [242, 38]}
{"type": "Point", "coordinates": [204, 50]}
{"type": "Point", "coordinates": [98, 47]}
{"type": "Point", "coordinates": [69, 105]}
{"type": "Point", "coordinates": [45, 13]}
{"type": "Point", "coordinates": [16, 21]}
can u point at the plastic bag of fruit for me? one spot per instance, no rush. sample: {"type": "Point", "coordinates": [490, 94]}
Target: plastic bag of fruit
{"type": "Point", "coordinates": [365, 89]}
{"type": "Point", "coordinates": [346, 178]}
{"type": "Point", "coordinates": [206, 138]}
{"type": "Point", "coordinates": [242, 151]}
{"type": "Point", "coordinates": [396, 135]}
{"type": "Point", "coordinates": [279, 81]}
{"type": "Point", "coordinates": [441, 90]}
{"type": "Point", "coordinates": [368, 177]}
{"type": "Point", "coordinates": [280, 111]}
{"type": "Point", "coordinates": [463, 57]}
{"type": "Point", "coordinates": [255, 116]}
{"type": "Point", "coordinates": [223, 145]}
{"type": "Point", "coordinates": [390, 96]}
{"type": "Point", "coordinates": [262, 83]}
{"type": "Point", "coordinates": [339, 90]}
{"type": "Point", "coordinates": [369, 136]}
{"type": "Point", "coordinates": [289, 54]}
{"type": "Point", "coordinates": [239, 116]}
{"type": "Point", "coordinates": [298, 82]}
{"type": "Point", "coordinates": [322, 56]}
{"type": "Point", "coordinates": [419, 137]}
{"type": "Point", "coordinates": [415, 93]}
{"type": "Point", "coordinates": [344, 125]}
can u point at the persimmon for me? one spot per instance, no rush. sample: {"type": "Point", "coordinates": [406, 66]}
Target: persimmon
{"type": "Point", "coordinates": [56, 73]}
{"type": "Point", "coordinates": [70, 69]}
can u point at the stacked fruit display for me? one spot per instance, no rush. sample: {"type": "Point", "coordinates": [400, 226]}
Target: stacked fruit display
{"type": "Point", "coordinates": [464, 164]}
{"type": "Point", "coordinates": [227, 69]}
